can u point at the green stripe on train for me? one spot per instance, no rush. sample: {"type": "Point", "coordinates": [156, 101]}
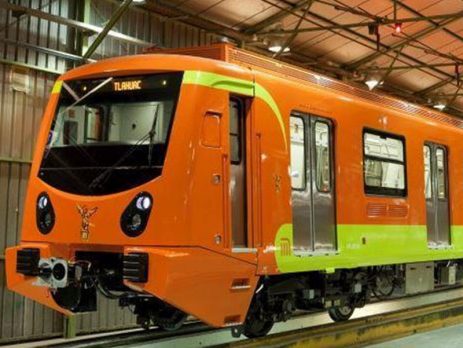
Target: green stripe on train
{"type": "Point", "coordinates": [238, 86]}
{"type": "Point", "coordinates": [367, 245]}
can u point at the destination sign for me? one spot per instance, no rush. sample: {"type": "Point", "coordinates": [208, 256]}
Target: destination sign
{"type": "Point", "coordinates": [127, 85]}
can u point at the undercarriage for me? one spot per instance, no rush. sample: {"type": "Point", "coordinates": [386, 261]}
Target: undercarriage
{"type": "Point", "coordinates": [341, 292]}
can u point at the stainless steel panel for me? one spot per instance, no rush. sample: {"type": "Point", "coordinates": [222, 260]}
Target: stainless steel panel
{"type": "Point", "coordinates": [437, 201]}
{"type": "Point", "coordinates": [431, 221]}
{"type": "Point", "coordinates": [302, 196]}
{"type": "Point", "coordinates": [313, 207]}
{"type": "Point", "coordinates": [419, 277]}
{"type": "Point", "coordinates": [324, 224]}
{"type": "Point", "coordinates": [442, 214]}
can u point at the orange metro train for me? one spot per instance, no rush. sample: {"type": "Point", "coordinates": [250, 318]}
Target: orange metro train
{"type": "Point", "coordinates": [218, 183]}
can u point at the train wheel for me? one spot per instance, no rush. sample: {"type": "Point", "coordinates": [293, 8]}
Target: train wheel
{"type": "Point", "coordinates": [171, 319]}
{"type": "Point", "coordinates": [341, 313]}
{"type": "Point", "coordinates": [254, 327]}
{"type": "Point", "coordinates": [384, 285]}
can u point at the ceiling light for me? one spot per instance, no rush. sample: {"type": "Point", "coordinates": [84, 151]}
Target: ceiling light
{"type": "Point", "coordinates": [440, 105]}
{"type": "Point", "coordinates": [275, 48]}
{"type": "Point", "coordinates": [372, 82]}
{"type": "Point", "coordinates": [138, 1]}
{"type": "Point", "coordinates": [398, 28]}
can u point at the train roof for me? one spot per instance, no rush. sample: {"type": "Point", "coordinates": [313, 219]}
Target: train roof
{"type": "Point", "coordinates": [227, 53]}
{"type": "Point", "coordinates": [231, 54]}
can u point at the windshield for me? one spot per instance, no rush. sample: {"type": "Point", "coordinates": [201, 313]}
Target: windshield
{"type": "Point", "coordinates": [111, 134]}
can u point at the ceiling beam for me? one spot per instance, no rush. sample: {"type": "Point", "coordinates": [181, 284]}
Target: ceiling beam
{"type": "Point", "coordinates": [417, 13]}
{"type": "Point", "coordinates": [165, 8]}
{"type": "Point", "coordinates": [71, 22]}
{"type": "Point", "coordinates": [357, 64]}
{"type": "Point", "coordinates": [432, 88]}
{"type": "Point", "coordinates": [449, 77]}
{"type": "Point", "coordinates": [169, 11]}
{"type": "Point", "coordinates": [291, 37]}
{"type": "Point", "coordinates": [383, 21]}
{"type": "Point", "coordinates": [109, 25]}
{"type": "Point", "coordinates": [348, 33]}
{"type": "Point", "coordinates": [407, 67]}
{"type": "Point", "coordinates": [275, 18]}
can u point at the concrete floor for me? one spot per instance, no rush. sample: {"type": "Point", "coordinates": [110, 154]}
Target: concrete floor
{"type": "Point", "coordinates": [448, 337]}
{"type": "Point", "coordinates": [453, 335]}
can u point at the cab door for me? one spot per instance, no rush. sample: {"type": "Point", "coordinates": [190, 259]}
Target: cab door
{"type": "Point", "coordinates": [436, 194]}
{"type": "Point", "coordinates": [312, 179]}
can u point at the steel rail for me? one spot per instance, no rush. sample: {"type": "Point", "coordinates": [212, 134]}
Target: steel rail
{"type": "Point", "coordinates": [133, 337]}
{"type": "Point", "coordinates": [195, 333]}
{"type": "Point", "coordinates": [368, 330]}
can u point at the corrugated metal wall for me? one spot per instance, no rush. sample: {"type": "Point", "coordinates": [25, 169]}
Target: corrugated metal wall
{"type": "Point", "coordinates": [21, 40]}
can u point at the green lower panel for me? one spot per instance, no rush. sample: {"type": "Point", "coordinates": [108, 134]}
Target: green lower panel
{"type": "Point", "coordinates": [367, 245]}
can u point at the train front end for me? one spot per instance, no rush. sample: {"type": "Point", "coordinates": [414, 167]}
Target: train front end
{"type": "Point", "coordinates": [121, 199]}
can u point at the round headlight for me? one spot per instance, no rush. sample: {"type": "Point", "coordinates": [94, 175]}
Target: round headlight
{"type": "Point", "coordinates": [43, 202]}
{"type": "Point", "coordinates": [45, 214]}
{"type": "Point", "coordinates": [135, 217]}
{"type": "Point", "coordinates": [143, 202]}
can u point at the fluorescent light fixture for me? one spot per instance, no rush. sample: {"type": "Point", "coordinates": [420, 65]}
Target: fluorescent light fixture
{"type": "Point", "coordinates": [275, 48]}
{"type": "Point", "coordinates": [440, 105]}
{"type": "Point", "coordinates": [372, 82]}
{"type": "Point", "coordinates": [138, 1]}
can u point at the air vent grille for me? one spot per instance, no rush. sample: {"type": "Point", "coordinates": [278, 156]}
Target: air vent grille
{"type": "Point", "coordinates": [249, 59]}
{"type": "Point", "coordinates": [376, 209]}
{"type": "Point", "coordinates": [398, 210]}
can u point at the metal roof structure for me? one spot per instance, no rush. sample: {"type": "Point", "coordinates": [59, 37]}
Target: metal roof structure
{"type": "Point", "coordinates": [354, 40]}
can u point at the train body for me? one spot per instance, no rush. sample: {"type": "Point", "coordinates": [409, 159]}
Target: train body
{"type": "Point", "coordinates": [225, 185]}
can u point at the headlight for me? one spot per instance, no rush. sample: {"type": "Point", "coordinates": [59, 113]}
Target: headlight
{"type": "Point", "coordinates": [45, 214]}
{"type": "Point", "coordinates": [135, 216]}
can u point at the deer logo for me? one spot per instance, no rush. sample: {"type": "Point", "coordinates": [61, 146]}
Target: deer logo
{"type": "Point", "coordinates": [85, 214]}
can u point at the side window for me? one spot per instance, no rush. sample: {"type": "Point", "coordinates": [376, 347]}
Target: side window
{"type": "Point", "coordinates": [384, 164]}
{"type": "Point", "coordinates": [297, 130]}
{"type": "Point", "coordinates": [441, 173]}
{"type": "Point", "coordinates": [235, 131]}
{"type": "Point", "coordinates": [427, 172]}
{"type": "Point", "coordinates": [322, 156]}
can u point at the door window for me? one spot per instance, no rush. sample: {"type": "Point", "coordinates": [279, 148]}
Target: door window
{"type": "Point", "coordinates": [298, 153]}
{"type": "Point", "coordinates": [427, 172]}
{"type": "Point", "coordinates": [235, 131]}
{"type": "Point", "coordinates": [322, 156]}
{"type": "Point", "coordinates": [441, 174]}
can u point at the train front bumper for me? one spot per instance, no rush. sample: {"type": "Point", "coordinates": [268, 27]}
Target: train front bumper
{"type": "Point", "coordinates": [213, 287]}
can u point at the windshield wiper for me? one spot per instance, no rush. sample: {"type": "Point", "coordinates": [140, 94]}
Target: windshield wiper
{"type": "Point", "coordinates": [77, 101]}
{"type": "Point", "coordinates": [104, 176]}
{"type": "Point", "coordinates": [152, 134]}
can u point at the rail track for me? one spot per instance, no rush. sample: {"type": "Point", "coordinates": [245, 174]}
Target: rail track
{"type": "Point", "coordinates": [376, 322]}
